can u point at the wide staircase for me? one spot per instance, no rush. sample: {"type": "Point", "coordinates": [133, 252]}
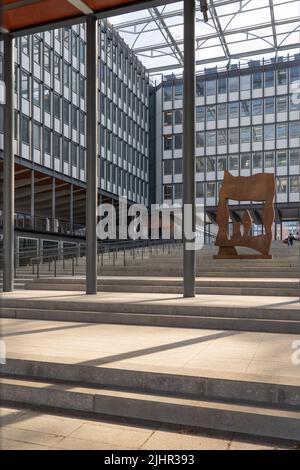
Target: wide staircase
{"type": "Point", "coordinates": [143, 287]}
{"type": "Point", "coordinates": [158, 269]}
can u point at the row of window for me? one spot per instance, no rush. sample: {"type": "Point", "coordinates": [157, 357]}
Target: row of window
{"type": "Point", "coordinates": [127, 181]}
{"type": "Point", "coordinates": [244, 161]}
{"type": "Point", "coordinates": [234, 84]}
{"type": "Point", "coordinates": [210, 189]}
{"type": "Point", "coordinates": [236, 110]}
{"type": "Point", "coordinates": [237, 135]}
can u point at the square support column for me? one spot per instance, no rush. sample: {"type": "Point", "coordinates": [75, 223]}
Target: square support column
{"type": "Point", "coordinates": [189, 258]}
{"type": "Point", "coordinates": [8, 167]}
{"type": "Point", "coordinates": [91, 155]}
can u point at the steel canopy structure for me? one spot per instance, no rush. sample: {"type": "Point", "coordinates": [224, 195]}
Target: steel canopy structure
{"type": "Point", "coordinates": [237, 29]}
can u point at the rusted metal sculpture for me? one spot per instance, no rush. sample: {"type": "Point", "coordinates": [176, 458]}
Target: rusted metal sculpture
{"type": "Point", "coordinates": [259, 188]}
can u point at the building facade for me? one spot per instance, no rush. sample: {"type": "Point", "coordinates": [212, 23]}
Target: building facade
{"type": "Point", "coordinates": [50, 118]}
{"type": "Point", "coordinates": [247, 120]}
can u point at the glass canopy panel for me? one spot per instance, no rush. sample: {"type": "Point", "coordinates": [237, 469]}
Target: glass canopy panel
{"type": "Point", "coordinates": [237, 31]}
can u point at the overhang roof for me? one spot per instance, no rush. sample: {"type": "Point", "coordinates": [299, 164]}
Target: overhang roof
{"type": "Point", "coordinates": [17, 15]}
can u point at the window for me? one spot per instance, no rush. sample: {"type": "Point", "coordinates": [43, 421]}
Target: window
{"type": "Point", "coordinates": [36, 50]}
{"type": "Point", "coordinates": [270, 105]}
{"type": "Point", "coordinates": [245, 82]}
{"type": "Point", "coordinates": [66, 34]}
{"type": "Point", "coordinates": [269, 78]}
{"type": "Point", "coordinates": [257, 160]}
{"type": "Point", "coordinates": [25, 45]}
{"type": "Point", "coordinates": [74, 81]}
{"type": "Point", "coordinates": [74, 44]}
{"type": "Point", "coordinates": [234, 136]}
{"type": "Point", "coordinates": [36, 136]}
{"type": "Point", "coordinates": [245, 108]}
{"type": "Point", "coordinates": [178, 116]}
{"type": "Point", "coordinates": [47, 100]}
{"type": "Point", "coordinates": [233, 162]}
{"type": "Point", "coordinates": [81, 87]}
{"type": "Point", "coordinates": [36, 93]}
{"type": "Point", "coordinates": [81, 158]}
{"type": "Point", "coordinates": [199, 164]}
{"type": "Point", "coordinates": [245, 161]}
{"type": "Point", "coordinates": [25, 85]}
{"type": "Point", "coordinates": [178, 190]}
{"type": "Point", "coordinates": [257, 107]}
{"type": "Point", "coordinates": [47, 140]}
{"type": "Point", "coordinates": [82, 123]}
{"type": "Point", "coordinates": [211, 164]}
{"type": "Point", "coordinates": [269, 159]}
{"type": "Point", "coordinates": [233, 110]}
{"type": "Point", "coordinates": [167, 142]}
{"type": "Point", "coordinates": [281, 131]}
{"type": "Point", "coordinates": [178, 166]}
{"type": "Point", "coordinates": [222, 85]}
{"type": "Point", "coordinates": [257, 133]}
{"type": "Point", "coordinates": [281, 184]}
{"type": "Point", "coordinates": [211, 87]}
{"type": "Point", "coordinates": [25, 129]}
{"type": "Point", "coordinates": [200, 110]}
{"type": "Point", "coordinates": [222, 137]}
{"type": "Point", "coordinates": [199, 87]}
{"type": "Point", "coordinates": [294, 129]}
{"type": "Point", "coordinates": [66, 74]}
{"type": "Point", "coordinates": [294, 184]}
{"type": "Point", "coordinates": [281, 104]}
{"type": "Point", "coordinates": [294, 103]}
{"type": "Point", "coordinates": [233, 84]}
{"type": "Point", "coordinates": [178, 141]}
{"type": "Point", "coordinates": [168, 93]}
{"type": "Point", "coordinates": [210, 138]}
{"type": "Point", "coordinates": [294, 157]}
{"type": "Point", "coordinates": [66, 151]}
{"type": "Point", "coordinates": [222, 111]}
{"type": "Point", "coordinates": [199, 189]}
{"type": "Point", "coordinates": [281, 77]}
{"type": "Point", "coordinates": [199, 139]}
{"type": "Point", "coordinates": [295, 73]}
{"type": "Point", "coordinates": [211, 189]}
{"type": "Point", "coordinates": [74, 118]}
{"type": "Point", "coordinates": [167, 191]}
{"type": "Point", "coordinates": [47, 59]}
{"type": "Point", "coordinates": [282, 158]}
{"type": "Point", "coordinates": [211, 113]}
{"type": "Point", "coordinates": [269, 132]}
{"type": "Point", "coordinates": [81, 51]}
{"type": "Point", "coordinates": [221, 163]}
{"type": "Point", "coordinates": [245, 135]}
{"type": "Point", "coordinates": [56, 145]}
{"type": "Point", "coordinates": [257, 80]}
{"type": "Point", "coordinates": [168, 118]}
{"type": "Point", "coordinates": [74, 154]}
{"type": "Point", "coordinates": [56, 106]}
{"type": "Point", "coordinates": [57, 61]}
{"type": "Point", "coordinates": [178, 91]}
{"type": "Point", "coordinates": [66, 112]}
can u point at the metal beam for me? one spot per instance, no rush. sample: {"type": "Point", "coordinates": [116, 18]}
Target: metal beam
{"type": "Point", "coordinates": [8, 167]}
{"type": "Point", "coordinates": [189, 173]}
{"type": "Point", "coordinates": [91, 157]}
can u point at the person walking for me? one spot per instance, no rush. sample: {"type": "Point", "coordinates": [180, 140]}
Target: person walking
{"type": "Point", "coordinates": [290, 240]}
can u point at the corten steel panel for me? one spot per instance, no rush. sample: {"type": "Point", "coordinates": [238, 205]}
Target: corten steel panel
{"type": "Point", "coordinates": [38, 13]}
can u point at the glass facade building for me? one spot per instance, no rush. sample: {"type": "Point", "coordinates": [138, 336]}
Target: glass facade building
{"type": "Point", "coordinates": [247, 120]}
{"type": "Point", "coordinates": [50, 114]}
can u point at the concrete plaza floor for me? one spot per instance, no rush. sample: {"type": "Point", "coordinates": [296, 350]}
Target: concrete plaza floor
{"type": "Point", "coordinates": [265, 357]}
{"type": "Point", "coordinates": [25, 429]}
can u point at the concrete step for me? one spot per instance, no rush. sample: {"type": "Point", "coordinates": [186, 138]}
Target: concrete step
{"type": "Point", "coordinates": [266, 320]}
{"type": "Point", "coordinates": [223, 287]}
{"type": "Point", "coordinates": [217, 415]}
